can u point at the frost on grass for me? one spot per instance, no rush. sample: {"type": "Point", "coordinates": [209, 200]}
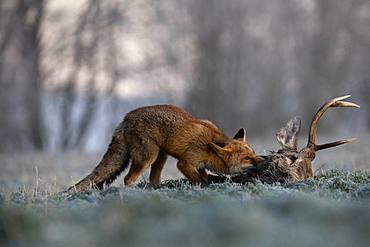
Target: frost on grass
{"type": "Point", "coordinates": [333, 209]}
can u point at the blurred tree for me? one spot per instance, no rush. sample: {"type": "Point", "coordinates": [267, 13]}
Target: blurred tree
{"type": "Point", "coordinates": [20, 123]}
{"type": "Point", "coordinates": [90, 60]}
{"type": "Point", "coordinates": [95, 61]}
{"type": "Point", "coordinates": [335, 59]}
{"type": "Point", "coordinates": [238, 71]}
{"type": "Point", "coordinates": [217, 89]}
{"type": "Point", "coordinates": [281, 59]}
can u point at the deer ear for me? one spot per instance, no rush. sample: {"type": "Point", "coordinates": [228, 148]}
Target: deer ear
{"type": "Point", "coordinates": [241, 135]}
{"type": "Point", "coordinates": [288, 135]}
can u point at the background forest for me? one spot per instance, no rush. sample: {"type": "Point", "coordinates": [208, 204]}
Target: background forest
{"type": "Point", "coordinates": [70, 70]}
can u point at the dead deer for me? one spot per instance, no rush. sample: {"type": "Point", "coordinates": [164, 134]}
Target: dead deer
{"type": "Point", "coordinates": [288, 164]}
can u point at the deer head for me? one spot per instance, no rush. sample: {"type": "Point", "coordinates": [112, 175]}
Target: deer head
{"type": "Point", "coordinates": [288, 138]}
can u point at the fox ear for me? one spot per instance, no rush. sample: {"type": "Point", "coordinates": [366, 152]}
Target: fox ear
{"type": "Point", "coordinates": [220, 149]}
{"type": "Point", "coordinates": [241, 135]}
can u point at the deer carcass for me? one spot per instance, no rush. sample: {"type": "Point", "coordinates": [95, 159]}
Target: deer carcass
{"type": "Point", "coordinates": [288, 164]}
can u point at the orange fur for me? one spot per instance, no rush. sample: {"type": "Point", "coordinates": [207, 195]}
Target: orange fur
{"type": "Point", "coordinates": [148, 134]}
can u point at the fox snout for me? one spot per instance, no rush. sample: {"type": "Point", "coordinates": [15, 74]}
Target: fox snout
{"type": "Point", "coordinates": [237, 168]}
{"type": "Point", "coordinates": [258, 160]}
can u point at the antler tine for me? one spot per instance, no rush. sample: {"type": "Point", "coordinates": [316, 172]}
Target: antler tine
{"type": "Point", "coordinates": [333, 144]}
{"type": "Point", "coordinates": [336, 102]}
{"type": "Point", "coordinates": [345, 104]}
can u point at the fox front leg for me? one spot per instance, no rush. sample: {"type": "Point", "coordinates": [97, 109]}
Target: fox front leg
{"type": "Point", "coordinates": [203, 174]}
{"type": "Point", "coordinates": [191, 173]}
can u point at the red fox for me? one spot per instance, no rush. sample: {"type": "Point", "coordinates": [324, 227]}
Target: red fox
{"type": "Point", "coordinates": [149, 134]}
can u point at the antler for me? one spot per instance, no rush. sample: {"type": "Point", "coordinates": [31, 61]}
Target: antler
{"type": "Point", "coordinates": [336, 102]}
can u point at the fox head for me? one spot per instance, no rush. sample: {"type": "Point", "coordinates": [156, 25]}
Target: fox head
{"type": "Point", "coordinates": [236, 153]}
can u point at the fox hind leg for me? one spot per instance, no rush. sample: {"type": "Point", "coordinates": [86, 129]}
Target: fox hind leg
{"type": "Point", "coordinates": [157, 167]}
{"type": "Point", "coordinates": [141, 160]}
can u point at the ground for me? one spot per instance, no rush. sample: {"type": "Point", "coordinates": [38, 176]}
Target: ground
{"type": "Point", "coordinates": [333, 209]}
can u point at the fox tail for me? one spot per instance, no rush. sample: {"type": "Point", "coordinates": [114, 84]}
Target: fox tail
{"type": "Point", "coordinates": [114, 162]}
